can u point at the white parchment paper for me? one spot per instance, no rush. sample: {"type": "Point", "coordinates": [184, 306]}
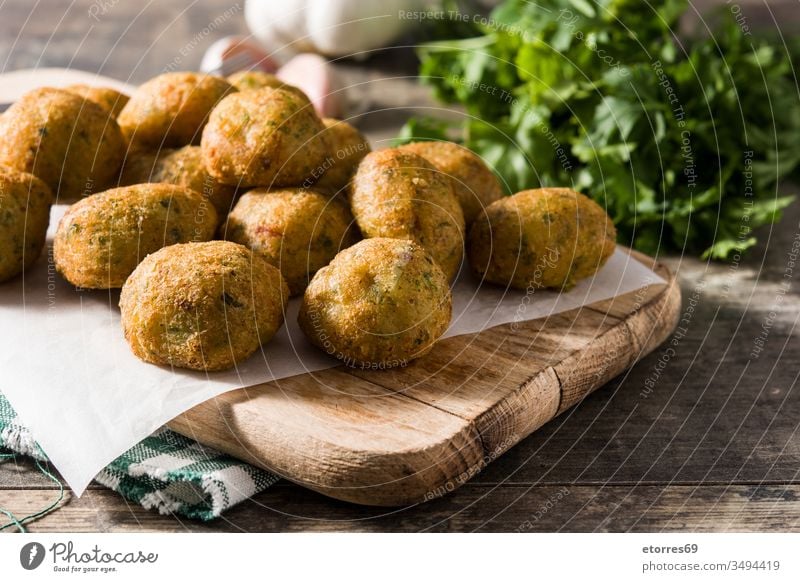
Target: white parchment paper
{"type": "Point", "coordinates": [69, 374]}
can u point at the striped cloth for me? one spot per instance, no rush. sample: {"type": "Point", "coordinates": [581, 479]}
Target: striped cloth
{"type": "Point", "coordinates": [166, 471]}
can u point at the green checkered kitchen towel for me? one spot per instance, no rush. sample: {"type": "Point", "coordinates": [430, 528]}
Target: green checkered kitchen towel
{"type": "Point", "coordinates": [165, 471]}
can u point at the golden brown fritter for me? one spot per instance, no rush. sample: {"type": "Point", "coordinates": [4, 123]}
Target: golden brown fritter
{"type": "Point", "coordinates": [265, 137]}
{"type": "Point", "coordinates": [24, 215]}
{"type": "Point", "coordinates": [474, 183]}
{"type": "Point", "coordinates": [101, 239]}
{"type": "Point", "coordinates": [72, 144]}
{"type": "Point", "coordinates": [298, 231]}
{"type": "Point", "coordinates": [203, 306]}
{"type": "Point", "coordinates": [171, 110]}
{"type": "Point", "coordinates": [182, 167]}
{"type": "Point", "coordinates": [347, 148]}
{"type": "Point", "coordinates": [550, 237]}
{"type": "Point", "coordinates": [249, 80]}
{"type": "Point", "coordinates": [398, 194]}
{"type": "Point", "coordinates": [110, 99]}
{"type": "Point", "coordinates": [379, 304]}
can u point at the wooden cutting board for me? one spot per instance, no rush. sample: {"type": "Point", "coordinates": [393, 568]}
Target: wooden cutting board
{"type": "Point", "coordinates": [412, 434]}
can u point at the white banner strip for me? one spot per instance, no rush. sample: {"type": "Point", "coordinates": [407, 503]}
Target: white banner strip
{"type": "Point", "coordinates": [390, 557]}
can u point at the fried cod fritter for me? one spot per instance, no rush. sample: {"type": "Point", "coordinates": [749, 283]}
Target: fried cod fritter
{"type": "Point", "coordinates": [171, 110]}
{"type": "Point", "coordinates": [69, 142]}
{"type": "Point", "coordinates": [24, 215]}
{"type": "Point", "coordinates": [249, 80]}
{"type": "Point", "coordinates": [265, 137]}
{"type": "Point", "coordinates": [101, 239]}
{"type": "Point", "coordinates": [110, 99]}
{"type": "Point", "coordinates": [545, 238]}
{"type": "Point", "coordinates": [474, 183]}
{"type": "Point", "coordinates": [298, 231]}
{"type": "Point", "coordinates": [203, 306]}
{"type": "Point", "coordinates": [397, 194]}
{"type": "Point", "coordinates": [254, 80]}
{"type": "Point", "coordinates": [347, 148]}
{"type": "Point", "coordinates": [182, 167]}
{"type": "Point", "coordinates": [379, 304]}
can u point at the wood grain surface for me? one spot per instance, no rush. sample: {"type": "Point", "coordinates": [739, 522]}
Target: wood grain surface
{"type": "Point", "coordinates": [412, 434]}
{"type": "Point", "coordinates": [698, 436]}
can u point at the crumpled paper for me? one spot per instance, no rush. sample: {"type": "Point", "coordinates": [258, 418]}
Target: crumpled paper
{"type": "Point", "coordinates": [86, 398]}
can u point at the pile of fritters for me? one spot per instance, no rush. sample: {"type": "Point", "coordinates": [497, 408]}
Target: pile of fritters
{"type": "Point", "coordinates": [210, 202]}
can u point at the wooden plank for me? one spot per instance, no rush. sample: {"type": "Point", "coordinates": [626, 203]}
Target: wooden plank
{"type": "Point", "coordinates": [619, 347]}
{"type": "Point", "coordinates": [700, 410]}
{"type": "Point", "coordinates": [578, 508]}
{"type": "Point", "coordinates": [326, 428]}
{"type": "Point", "coordinates": [412, 434]}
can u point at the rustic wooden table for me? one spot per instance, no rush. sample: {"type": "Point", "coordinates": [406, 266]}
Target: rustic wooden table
{"type": "Point", "coordinates": [699, 438]}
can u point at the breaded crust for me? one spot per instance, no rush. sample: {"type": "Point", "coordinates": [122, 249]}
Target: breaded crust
{"type": "Point", "coordinates": [249, 80]}
{"type": "Point", "coordinates": [101, 239]}
{"type": "Point", "coordinates": [380, 303]}
{"type": "Point", "coordinates": [171, 110]}
{"type": "Point", "coordinates": [298, 231]}
{"type": "Point", "coordinates": [265, 137]}
{"type": "Point", "coordinates": [398, 194]}
{"type": "Point", "coordinates": [73, 144]}
{"type": "Point", "coordinates": [550, 237]}
{"type": "Point", "coordinates": [182, 167]}
{"type": "Point", "coordinates": [203, 306]}
{"type": "Point", "coordinates": [24, 215]}
{"type": "Point", "coordinates": [474, 183]}
{"type": "Point", "coordinates": [110, 99]}
{"type": "Point", "coordinates": [347, 148]}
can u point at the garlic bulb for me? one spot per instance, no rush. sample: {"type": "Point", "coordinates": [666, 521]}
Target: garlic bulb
{"type": "Point", "coordinates": [334, 28]}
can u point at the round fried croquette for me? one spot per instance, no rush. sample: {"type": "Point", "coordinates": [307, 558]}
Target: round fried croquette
{"type": "Point", "coordinates": [24, 215]}
{"type": "Point", "coordinates": [249, 80]}
{"type": "Point", "coordinates": [379, 304]}
{"type": "Point", "coordinates": [182, 167]}
{"type": "Point", "coordinates": [545, 238]}
{"type": "Point", "coordinates": [203, 306]}
{"type": "Point", "coordinates": [298, 231]}
{"type": "Point", "coordinates": [474, 183]}
{"type": "Point", "coordinates": [398, 194]}
{"type": "Point", "coordinates": [110, 99]}
{"type": "Point", "coordinates": [101, 239]}
{"type": "Point", "coordinates": [171, 110]}
{"type": "Point", "coordinates": [347, 148]}
{"type": "Point", "coordinates": [71, 143]}
{"type": "Point", "coordinates": [265, 137]}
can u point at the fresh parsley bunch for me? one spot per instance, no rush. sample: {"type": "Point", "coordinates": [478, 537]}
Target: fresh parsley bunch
{"type": "Point", "coordinates": [684, 144]}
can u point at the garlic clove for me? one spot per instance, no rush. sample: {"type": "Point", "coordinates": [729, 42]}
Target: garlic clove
{"type": "Point", "coordinates": [318, 79]}
{"type": "Point", "coordinates": [236, 53]}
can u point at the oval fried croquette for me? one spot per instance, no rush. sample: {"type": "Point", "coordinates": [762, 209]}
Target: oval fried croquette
{"type": "Point", "coordinates": [101, 239]}
{"type": "Point", "coordinates": [379, 304]}
{"type": "Point", "coordinates": [71, 143]}
{"type": "Point", "coordinates": [182, 167]}
{"type": "Point", "coordinates": [474, 183]}
{"type": "Point", "coordinates": [398, 194]}
{"type": "Point", "coordinates": [202, 306]}
{"type": "Point", "coordinates": [347, 148]}
{"type": "Point", "coordinates": [266, 137]}
{"type": "Point", "coordinates": [24, 215]}
{"type": "Point", "coordinates": [545, 238]}
{"type": "Point", "coordinates": [298, 231]}
{"type": "Point", "coordinates": [110, 99]}
{"type": "Point", "coordinates": [171, 110]}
